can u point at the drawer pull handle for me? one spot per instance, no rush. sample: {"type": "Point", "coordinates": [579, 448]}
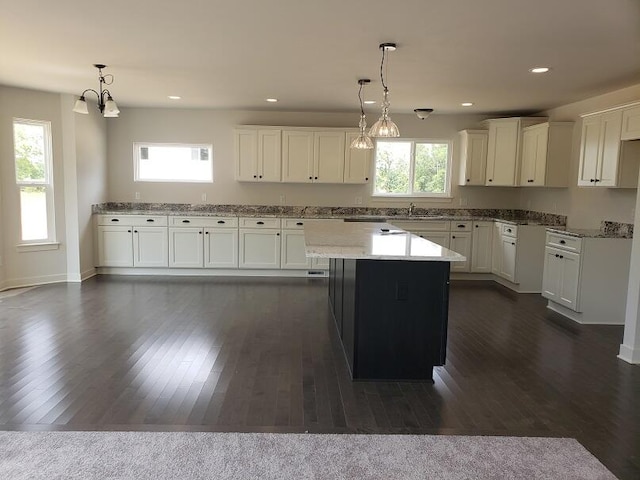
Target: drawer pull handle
{"type": "Point", "coordinates": [221, 221]}
{"type": "Point", "coordinates": [299, 223]}
{"type": "Point", "coordinates": [563, 242]}
{"type": "Point", "coordinates": [461, 226]}
{"type": "Point", "coordinates": [260, 223]}
{"type": "Point", "coordinates": [150, 220]}
{"type": "Point", "coordinates": [186, 221]}
{"type": "Point", "coordinates": [115, 219]}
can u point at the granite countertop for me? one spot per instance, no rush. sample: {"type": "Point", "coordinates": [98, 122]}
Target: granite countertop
{"type": "Point", "coordinates": [516, 217]}
{"type": "Point", "coordinates": [373, 241]}
{"type": "Point", "coordinates": [607, 230]}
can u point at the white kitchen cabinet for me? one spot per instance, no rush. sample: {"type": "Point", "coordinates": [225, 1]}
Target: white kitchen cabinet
{"type": "Point", "coordinates": [150, 247]}
{"type": "Point", "coordinates": [504, 149]}
{"type": "Point", "coordinates": [508, 252]}
{"type": "Point", "coordinates": [313, 156]}
{"type": "Point", "coordinates": [436, 231]}
{"type": "Point", "coordinates": [357, 161]}
{"type": "Point", "coordinates": [461, 243]}
{"type": "Point", "coordinates": [605, 161]}
{"type": "Point", "coordinates": [258, 155]}
{"type": "Point", "coordinates": [473, 157]}
{"type": "Point", "coordinates": [546, 154]}
{"type": "Point", "coordinates": [221, 247]}
{"type": "Point", "coordinates": [481, 246]}
{"type": "Point", "coordinates": [259, 243]}
{"type": "Point", "coordinates": [293, 251]}
{"type": "Point", "coordinates": [115, 246]}
{"type": "Point", "coordinates": [631, 123]}
{"type": "Point", "coordinates": [186, 247]}
{"type": "Point", "coordinates": [585, 279]}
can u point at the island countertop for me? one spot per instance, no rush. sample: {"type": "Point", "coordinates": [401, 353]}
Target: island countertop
{"type": "Point", "coordinates": [373, 241]}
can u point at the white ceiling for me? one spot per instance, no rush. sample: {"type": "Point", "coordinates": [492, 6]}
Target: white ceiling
{"type": "Point", "coordinates": [310, 54]}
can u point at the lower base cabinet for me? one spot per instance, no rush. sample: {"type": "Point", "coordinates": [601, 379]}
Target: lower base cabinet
{"type": "Point", "coordinates": [293, 256]}
{"type": "Point", "coordinates": [259, 248]}
{"type": "Point", "coordinates": [131, 246]}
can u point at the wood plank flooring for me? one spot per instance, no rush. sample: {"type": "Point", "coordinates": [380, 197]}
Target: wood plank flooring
{"type": "Point", "coordinates": [262, 354]}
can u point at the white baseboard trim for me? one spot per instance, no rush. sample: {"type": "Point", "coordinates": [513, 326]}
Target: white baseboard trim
{"type": "Point", "coordinates": [88, 274]}
{"type": "Point", "coordinates": [582, 318]}
{"type": "Point", "coordinates": [223, 272]}
{"type": "Point", "coordinates": [32, 281]}
{"type": "Point", "coordinates": [629, 354]}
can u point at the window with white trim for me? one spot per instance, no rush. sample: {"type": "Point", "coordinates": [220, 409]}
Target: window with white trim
{"type": "Point", "coordinates": [412, 168]}
{"type": "Point", "coordinates": [34, 179]}
{"type": "Point", "coordinates": [173, 162]}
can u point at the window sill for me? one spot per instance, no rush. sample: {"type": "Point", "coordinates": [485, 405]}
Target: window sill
{"type": "Point", "coordinates": [37, 247]}
{"type": "Point", "coordinates": [409, 198]}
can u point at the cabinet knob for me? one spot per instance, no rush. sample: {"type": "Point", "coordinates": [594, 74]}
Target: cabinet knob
{"type": "Point", "coordinates": [592, 180]}
{"type": "Point", "coordinates": [491, 179]}
{"type": "Point", "coordinates": [315, 178]}
{"type": "Point", "coordinates": [277, 234]}
{"type": "Point", "coordinates": [512, 243]}
{"type": "Point", "coordinates": [255, 176]}
{"type": "Point", "coordinates": [468, 179]}
{"type": "Point", "coordinates": [509, 230]}
{"type": "Point", "coordinates": [129, 231]}
{"type": "Point", "coordinates": [366, 179]}
{"type": "Point", "coordinates": [135, 231]}
{"type": "Point", "coordinates": [259, 176]}
{"type": "Point", "coordinates": [596, 180]}
{"type": "Point", "coordinates": [453, 236]}
{"type": "Point", "coordinates": [206, 233]}
{"type": "Point", "coordinates": [561, 256]}
{"type": "Point", "coordinates": [310, 178]}
{"type": "Point", "coordinates": [557, 255]}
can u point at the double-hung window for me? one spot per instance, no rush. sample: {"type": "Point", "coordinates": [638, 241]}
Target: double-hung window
{"type": "Point", "coordinates": [412, 168]}
{"type": "Point", "coordinates": [173, 162]}
{"type": "Point", "coordinates": [34, 179]}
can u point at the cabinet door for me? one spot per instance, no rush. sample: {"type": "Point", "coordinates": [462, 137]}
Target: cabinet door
{"type": "Point", "coordinates": [269, 155]}
{"type": "Point", "coordinates": [150, 247]}
{"type": "Point", "coordinates": [259, 248]}
{"type": "Point", "coordinates": [461, 243]}
{"type": "Point", "coordinates": [115, 246]}
{"type": "Point", "coordinates": [246, 154]}
{"type": "Point", "coordinates": [610, 129]}
{"type": "Point", "coordinates": [631, 124]}
{"type": "Point", "coordinates": [297, 156]}
{"type": "Point", "coordinates": [508, 263]}
{"type": "Point", "coordinates": [441, 238]}
{"type": "Point", "coordinates": [502, 152]}
{"type": "Point", "coordinates": [473, 157]}
{"type": "Point", "coordinates": [496, 250]}
{"type": "Point", "coordinates": [568, 294]}
{"type": "Point", "coordinates": [589, 151]}
{"type": "Point", "coordinates": [185, 247]}
{"type": "Point", "coordinates": [293, 251]}
{"type": "Point", "coordinates": [221, 248]}
{"type": "Point", "coordinates": [534, 155]}
{"type": "Point", "coordinates": [357, 162]}
{"type": "Point", "coordinates": [481, 247]}
{"type": "Point", "coordinates": [328, 157]}
{"type": "Point", "coordinates": [552, 274]}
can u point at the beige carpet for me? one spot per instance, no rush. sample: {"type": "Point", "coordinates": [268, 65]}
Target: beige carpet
{"type": "Point", "coordinates": [180, 455]}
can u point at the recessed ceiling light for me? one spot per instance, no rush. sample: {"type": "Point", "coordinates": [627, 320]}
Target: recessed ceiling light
{"type": "Point", "coordinates": [272, 100]}
{"type": "Point", "coordinates": [539, 69]}
{"type": "Point", "coordinates": [174, 97]}
{"type": "Point", "coordinates": [369, 102]}
{"type": "Point", "coordinates": [467, 104]}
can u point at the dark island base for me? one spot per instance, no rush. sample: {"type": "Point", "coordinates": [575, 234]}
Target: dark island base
{"type": "Point", "coordinates": [391, 316]}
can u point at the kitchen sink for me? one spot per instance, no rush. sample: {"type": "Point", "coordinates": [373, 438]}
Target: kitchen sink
{"type": "Point", "coordinates": [367, 219]}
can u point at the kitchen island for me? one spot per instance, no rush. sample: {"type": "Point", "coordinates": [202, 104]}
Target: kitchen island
{"type": "Point", "coordinates": [389, 296]}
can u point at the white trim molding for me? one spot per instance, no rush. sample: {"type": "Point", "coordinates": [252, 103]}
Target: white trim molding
{"type": "Point", "coordinates": [629, 355]}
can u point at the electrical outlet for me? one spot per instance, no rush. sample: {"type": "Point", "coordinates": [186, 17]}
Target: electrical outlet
{"type": "Point", "coordinates": [137, 195]}
{"type": "Point", "coordinates": [358, 201]}
{"type": "Point", "coordinates": [203, 197]}
{"type": "Point", "coordinates": [283, 199]}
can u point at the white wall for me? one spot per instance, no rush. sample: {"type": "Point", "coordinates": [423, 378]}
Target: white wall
{"type": "Point", "coordinates": [585, 207]}
{"type": "Point", "coordinates": [216, 127]}
{"type": "Point", "coordinates": [23, 268]}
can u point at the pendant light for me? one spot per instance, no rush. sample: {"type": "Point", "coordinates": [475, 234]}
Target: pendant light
{"type": "Point", "coordinates": [362, 141]}
{"type": "Point", "coordinates": [385, 127]}
{"type": "Point", "coordinates": [106, 104]}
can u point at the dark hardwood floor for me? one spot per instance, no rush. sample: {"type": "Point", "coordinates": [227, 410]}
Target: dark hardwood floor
{"type": "Point", "coordinates": [243, 354]}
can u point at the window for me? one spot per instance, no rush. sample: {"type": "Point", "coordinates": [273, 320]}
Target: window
{"type": "Point", "coordinates": [34, 178]}
{"type": "Point", "coordinates": [164, 162]}
{"type": "Point", "coordinates": [412, 168]}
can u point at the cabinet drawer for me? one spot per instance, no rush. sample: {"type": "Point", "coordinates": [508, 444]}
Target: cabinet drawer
{"type": "Point", "coordinates": [509, 230]}
{"type": "Point", "coordinates": [293, 223]}
{"type": "Point", "coordinates": [222, 222]}
{"type": "Point", "coordinates": [460, 226]}
{"type": "Point", "coordinates": [258, 222]}
{"type": "Point", "coordinates": [133, 220]}
{"type": "Point", "coordinates": [565, 242]}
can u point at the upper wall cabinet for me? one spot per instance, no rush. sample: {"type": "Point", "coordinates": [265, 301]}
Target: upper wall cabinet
{"type": "Point", "coordinates": [504, 149]}
{"type": "Point", "coordinates": [309, 156]}
{"type": "Point", "coordinates": [473, 157]}
{"type": "Point", "coordinates": [631, 123]}
{"type": "Point", "coordinates": [605, 161]}
{"type": "Point", "coordinates": [258, 155]}
{"type": "Point", "coordinates": [546, 154]}
{"type": "Point", "coordinates": [357, 162]}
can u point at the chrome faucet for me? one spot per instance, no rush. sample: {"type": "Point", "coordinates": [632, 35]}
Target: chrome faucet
{"type": "Point", "coordinates": [411, 207]}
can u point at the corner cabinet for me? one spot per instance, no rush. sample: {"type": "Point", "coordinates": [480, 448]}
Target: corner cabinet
{"type": "Point", "coordinates": [258, 155]}
{"type": "Point", "coordinates": [504, 149]}
{"type": "Point", "coordinates": [631, 123]}
{"type": "Point", "coordinates": [606, 161]}
{"type": "Point", "coordinates": [473, 157]}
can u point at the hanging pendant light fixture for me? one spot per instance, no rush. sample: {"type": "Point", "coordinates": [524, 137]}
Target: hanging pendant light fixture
{"type": "Point", "coordinates": [107, 107]}
{"type": "Point", "coordinates": [362, 141]}
{"type": "Point", "coordinates": [385, 127]}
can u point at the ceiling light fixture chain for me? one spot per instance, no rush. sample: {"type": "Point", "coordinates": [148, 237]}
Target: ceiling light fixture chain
{"type": "Point", "coordinates": [362, 141]}
{"type": "Point", "coordinates": [107, 107]}
{"type": "Point", "coordinates": [385, 127]}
